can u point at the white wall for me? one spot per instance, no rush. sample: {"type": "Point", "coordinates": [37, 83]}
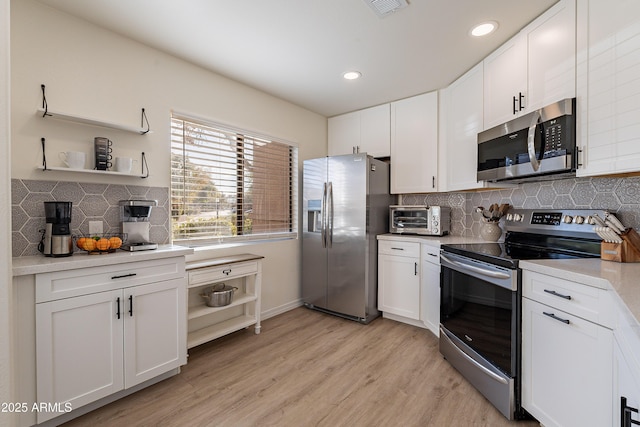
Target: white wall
{"type": "Point", "coordinates": [93, 72]}
{"type": "Point", "coordinates": [5, 215]}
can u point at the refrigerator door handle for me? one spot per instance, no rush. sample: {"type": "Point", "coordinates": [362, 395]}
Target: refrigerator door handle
{"type": "Point", "coordinates": [323, 217]}
{"type": "Point", "coordinates": [330, 215]}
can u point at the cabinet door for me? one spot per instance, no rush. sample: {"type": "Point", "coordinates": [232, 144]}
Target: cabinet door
{"type": "Point", "coordinates": [430, 275]}
{"type": "Point", "coordinates": [627, 379]}
{"type": "Point", "coordinates": [154, 330]}
{"type": "Point", "coordinates": [399, 286]}
{"type": "Point", "coordinates": [566, 368]}
{"type": "Point", "coordinates": [375, 131]}
{"type": "Point", "coordinates": [79, 349]}
{"type": "Point", "coordinates": [551, 61]}
{"type": "Point", "coordinates": [414, 144]}
{"type": "Point", "coordinates": [464, 119]}
{"type": "Point", "coordinates": [343, 133]}
{"type": "Point", "coordinates": [608, 87]}
{"type": "Point", "coordinates": [505, 79]}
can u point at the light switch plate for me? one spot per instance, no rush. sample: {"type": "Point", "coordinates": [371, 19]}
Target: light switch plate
{"type": "Point", "coordinates": [95, 227]}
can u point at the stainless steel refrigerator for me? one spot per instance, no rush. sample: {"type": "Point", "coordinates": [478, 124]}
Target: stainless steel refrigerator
{"type": "Point", "coordinates": [345, 205]}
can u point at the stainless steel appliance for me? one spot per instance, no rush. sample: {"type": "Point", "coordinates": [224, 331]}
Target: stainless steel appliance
{"type": "Point", "coordinates": [134, 216]}
{"type": "Point", "coordinates": [539, 144]}
{"type": "Point", "coordinates": [480, 310]}
{"type": "Point", "coordinates": [56, 237]}
{"type": "Point", "coordinates": [345, 205]}
{"type": "Point", "coordinates": [423, 220]}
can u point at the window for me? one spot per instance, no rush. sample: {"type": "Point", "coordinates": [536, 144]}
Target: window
{"type": "Point", "coordinates": [228, 185]}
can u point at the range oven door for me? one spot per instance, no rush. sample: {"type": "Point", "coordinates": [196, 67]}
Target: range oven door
{"type": "Point", "coordinates": [479, 327]}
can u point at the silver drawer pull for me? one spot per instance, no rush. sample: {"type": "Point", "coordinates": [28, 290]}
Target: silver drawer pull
{"type": "Point", "coordinates": [553, 316]}
{"type": "Point", "coordinates": [123, 276]}
{"type": "Point", "coordinates": [554, 293]}
{"type": "Point", "coordinates": [398, 249]}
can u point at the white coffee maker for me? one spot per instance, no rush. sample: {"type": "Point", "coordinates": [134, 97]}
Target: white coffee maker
{"type": "Point", "coordinates": [134, 216]}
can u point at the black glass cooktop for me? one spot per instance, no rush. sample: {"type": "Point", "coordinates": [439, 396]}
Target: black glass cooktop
{"type": "Point", "coordinates": [525, 246]}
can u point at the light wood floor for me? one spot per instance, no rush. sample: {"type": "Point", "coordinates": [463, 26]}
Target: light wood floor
{"type": "Point", "coordinates": [310, 369]}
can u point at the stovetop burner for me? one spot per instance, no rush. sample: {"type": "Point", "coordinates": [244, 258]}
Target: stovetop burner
{"type": "Point", "coordinates": [538, 234]}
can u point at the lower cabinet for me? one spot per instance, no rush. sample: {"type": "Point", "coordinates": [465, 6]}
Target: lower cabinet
{"type": "Point", "coordinates": [93, 345]}
{"type": "Point", "coordinates": [399, 278]}
{"type": "Point", "coordinates": [431, 288]}
{"type": "Point", "coordinates": [567, 354]}
{"type": "Point", "coordinates": [626, 396]}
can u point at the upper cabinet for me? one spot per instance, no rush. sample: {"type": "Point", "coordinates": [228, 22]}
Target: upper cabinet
{"type": "Point", "coordinates": [414, 144]}
{"type": "Point", "coordinates": [364, 131]}
{"type": "Point", "coordinates": [535, 68]}
{"type": "Point", "coordinates": [608, 87]}
{"type": "Point", "coordinates": [461, 120]}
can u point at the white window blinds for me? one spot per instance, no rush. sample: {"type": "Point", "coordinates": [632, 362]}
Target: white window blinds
{"type": "Point", "coordinates": [228, 185]}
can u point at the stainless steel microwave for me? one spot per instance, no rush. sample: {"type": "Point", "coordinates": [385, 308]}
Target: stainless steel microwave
{"type": "Point", "coordinates": [536, 146]}
{"type": "Point", "coordinates": [423, 220]}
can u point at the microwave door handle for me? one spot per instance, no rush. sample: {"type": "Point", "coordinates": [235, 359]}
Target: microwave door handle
{"type": "Point", "coordinates": [531, 141]}
{"type": "Point", "coordinates": [478, 270]}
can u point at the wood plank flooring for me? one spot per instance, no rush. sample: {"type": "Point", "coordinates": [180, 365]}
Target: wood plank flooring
{"type": "Point", "coordinates": [310, 369]}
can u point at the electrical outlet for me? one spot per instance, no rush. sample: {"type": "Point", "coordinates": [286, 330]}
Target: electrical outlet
{"type": "Point", "coordinates": [95, 227]}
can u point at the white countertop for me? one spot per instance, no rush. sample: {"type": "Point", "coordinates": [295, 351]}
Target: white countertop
{"type": "Point", "coordinates": [623, 278]}
{"type": "Point", "coordinates": [40, 264]}
{"type": "Point", "coordinates": [431, 240]}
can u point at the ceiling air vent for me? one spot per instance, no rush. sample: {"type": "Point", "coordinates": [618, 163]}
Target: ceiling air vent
{"type": "Point", "coordinates": [384, 8]}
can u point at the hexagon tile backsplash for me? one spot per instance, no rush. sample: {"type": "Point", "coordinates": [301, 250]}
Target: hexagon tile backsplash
{"type": "Point", "coordinates": [91, 202]}
{"type": "Point", "coordinates": [619, 195]}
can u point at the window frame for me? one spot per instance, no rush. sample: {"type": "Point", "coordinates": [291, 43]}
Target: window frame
{"type": "Point", "coordinates": [216, 240]}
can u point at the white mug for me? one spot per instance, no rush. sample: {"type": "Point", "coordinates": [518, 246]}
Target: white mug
{"type": "Point", "coordinates": [73, 159]}
{"type": "Point", "coordinates": [124, 164]}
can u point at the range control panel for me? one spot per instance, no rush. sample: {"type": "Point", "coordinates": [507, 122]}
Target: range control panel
{"type": "Point", "coordinates": [553, 221]}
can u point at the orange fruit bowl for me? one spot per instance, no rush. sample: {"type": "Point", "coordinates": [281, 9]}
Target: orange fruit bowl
{"type": "Point", "coordinates": [100, 243]}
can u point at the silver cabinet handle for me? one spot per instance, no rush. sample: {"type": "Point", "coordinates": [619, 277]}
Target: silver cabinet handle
{"type": "Point", "coordinates": [554, 293]}
{"type": "Point", "coordinates": [398, 249]}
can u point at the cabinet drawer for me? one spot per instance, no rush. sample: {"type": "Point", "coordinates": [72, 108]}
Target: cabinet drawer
{"type": "Point", "coordinates": [399, 248]}
{"type": "Point", "coordinates": [587, 302]}
{"type": "Point", "coordinates": [206, 275]}
{"type": "Point", "coordinates": [83, 281]}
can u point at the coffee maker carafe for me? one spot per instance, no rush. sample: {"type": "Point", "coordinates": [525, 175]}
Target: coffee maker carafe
{"type": "Point", "coordinates": [56, 239]}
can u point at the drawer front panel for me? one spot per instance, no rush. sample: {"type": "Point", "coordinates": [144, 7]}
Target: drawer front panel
{"type": "Point", "coordinates": [206, 275]}
{"type": "Point", "coordinates": [584, 301]}
{"type": "Point", "coordinates": [83, 281]}
{"type": "Point", "coordinates": [399, 248]}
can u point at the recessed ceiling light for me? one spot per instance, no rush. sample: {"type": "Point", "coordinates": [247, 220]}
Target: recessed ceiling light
{"type": "Point", "coordinates": [352, 75]}
{"type": "Point", "coordinates": [484, 29]}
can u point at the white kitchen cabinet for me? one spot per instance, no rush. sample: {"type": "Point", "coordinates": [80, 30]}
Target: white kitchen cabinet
{"type": "Point", "coordinates": [414, 144]}
{"type": "Point", "coordinates": [430, 287]}
{"type": "Point", "coordinates": [567, 358]}
{"type": "Point", "coordinates": [99, 332]}
{"type": "Point", "coordinates": [399, 278]}
{"type": "Point", "coordinates": [608, 129]}
{"type": "Point", "coordinates": [535, 68]}
{"type": "Point", "coordinates": [364, 131]}
{"type": "Point", "coordinates": [462, 108]}
{"type": "Point", "coordinates": [241, 271]}
{"type": "Point", "coordinates": [627, 383]}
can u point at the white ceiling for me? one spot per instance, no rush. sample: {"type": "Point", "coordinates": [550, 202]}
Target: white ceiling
{"type": "Point", "coordinates": [298, 49]}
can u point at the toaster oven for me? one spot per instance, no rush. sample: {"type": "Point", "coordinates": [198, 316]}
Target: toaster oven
{"type": "Point", "coordinates": [423, 220]}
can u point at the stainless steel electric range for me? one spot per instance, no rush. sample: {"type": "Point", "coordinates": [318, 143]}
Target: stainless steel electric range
{"type": "Point", "coordinates": [480, 308]}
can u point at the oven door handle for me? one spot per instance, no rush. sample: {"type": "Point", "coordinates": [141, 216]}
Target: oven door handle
{"type": "Point", "coordinates": [478, 270]}
{"type": "Point", "coordinates": [475, 362]}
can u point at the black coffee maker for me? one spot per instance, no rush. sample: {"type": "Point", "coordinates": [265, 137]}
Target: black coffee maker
{"type": "Point", "coordinates": [56, 238]}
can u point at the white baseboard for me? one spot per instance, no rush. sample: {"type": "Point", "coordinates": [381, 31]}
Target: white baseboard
{"type": "Point", "coordinates": [272, 312]}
